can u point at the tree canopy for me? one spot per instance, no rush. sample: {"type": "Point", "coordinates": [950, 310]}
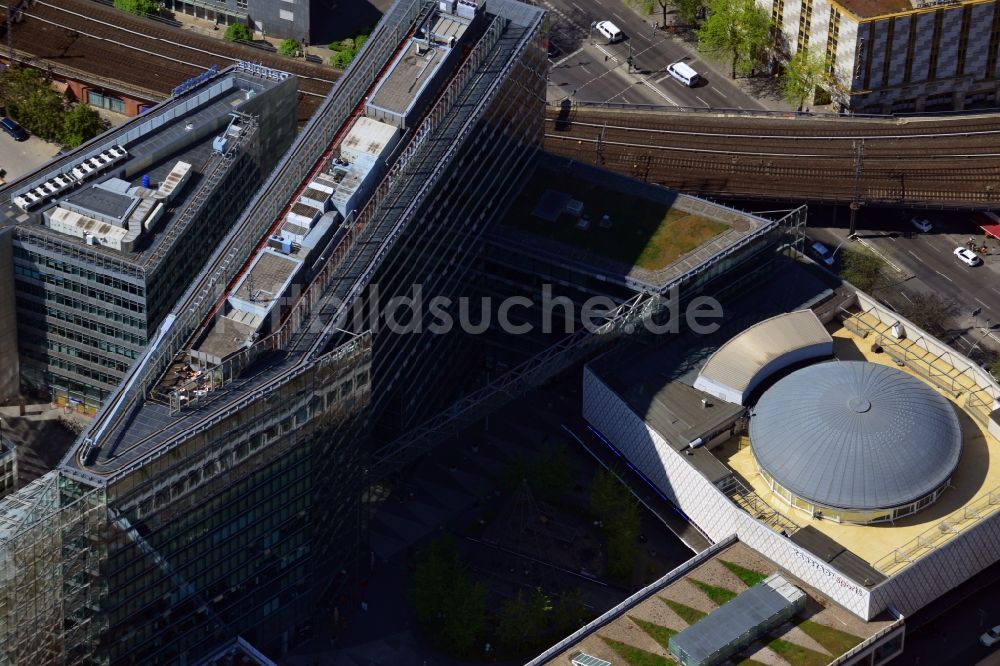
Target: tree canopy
{"type": "Point", "coordinates": [28, 98]}
{"type": "Point", "coordinates": [289, 47]}
{"type": "Point", "coordinates": [81, 123]}
{"type": "Point", "coordinates": [448, 603]}
{"type": "Point", "coordinates": [803, 74]}
{"type": "Point", "coordinates": [738, 30]}
{"type": "Point", "coordinates": [237, 32]}
{"type": "Point", "coordinates": [618, 511]}
{"type": "Point", "coordinates": [864, 270]}
{"type": "Point", "coordinates": [345, 50]}
{"type": "Point", "coordinates": [138, 6]}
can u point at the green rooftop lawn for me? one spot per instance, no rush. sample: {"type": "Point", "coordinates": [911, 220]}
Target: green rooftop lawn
{"type": "Point", "coordinates": [718, 595]}
{"type": "Point", "coordinates": [837, 642]}
{"type": "Point", "coordinates": [658, 633]}
{"type": "Point", "coordinates": [796, 655]}
{"type": "Point", "coordinates": [633, 656]}
{"type": "Point", "coordinates": [748, 576]}
{"type": "Point", "coordinates": [644, 233]}
{"type": "Point", "coordinates": [686, 613]}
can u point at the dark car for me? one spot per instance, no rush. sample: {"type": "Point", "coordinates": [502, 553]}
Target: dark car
{"type": "Point", "coordinates": [13, 129]}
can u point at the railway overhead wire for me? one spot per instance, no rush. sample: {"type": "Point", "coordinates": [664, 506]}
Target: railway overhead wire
{"type": "Point", "coordinates": [948, 161]}
{"type": "Point", "coordinates": [144, 55]}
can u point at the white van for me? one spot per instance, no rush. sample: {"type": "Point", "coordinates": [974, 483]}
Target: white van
{"type": "Point", "coordinates": [609, 30]}
{"type": "Point", "coordinates": [683, 73]}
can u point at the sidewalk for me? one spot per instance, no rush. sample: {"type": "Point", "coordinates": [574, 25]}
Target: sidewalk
{"type": "Point", "coordinates": [765, 89]}
{"type": "Point", "coordinates": [211, 29]}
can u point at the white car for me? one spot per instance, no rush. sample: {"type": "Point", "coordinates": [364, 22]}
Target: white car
{"type": "Point", "coordinates": [922, 224]}
{"type": "Point", "coordinates": [610, 31]}
{"type": "Point", "coordinates": [967, 256]}
{"type": "Point", "coordinates": [990, 637]}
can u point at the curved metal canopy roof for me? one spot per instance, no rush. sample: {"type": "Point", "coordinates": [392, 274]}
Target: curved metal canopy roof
{"type": "Point", "coordinates": [855, 435]}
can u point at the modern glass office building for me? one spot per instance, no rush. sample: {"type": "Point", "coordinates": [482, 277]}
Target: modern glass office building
{"type": "Point", "coordinates": [106, 238]}
{"type": "Point", "coordinates": [237, 513]}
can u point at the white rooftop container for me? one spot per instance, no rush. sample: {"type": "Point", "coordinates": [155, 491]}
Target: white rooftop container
{"type": "Point", "coordinates": [368, 139]}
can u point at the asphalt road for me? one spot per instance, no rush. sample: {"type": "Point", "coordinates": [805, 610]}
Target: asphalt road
{"type": "Point", "coordinates": [587, 68]}
{"type": "Point", "coordinates": [928, 258]}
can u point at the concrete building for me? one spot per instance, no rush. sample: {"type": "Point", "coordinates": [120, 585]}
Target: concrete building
{"type": "Point", "coordinates": [660, 619]}
{"type": "Point", "coordinates": [893, 56]}
{"type": "Point", "coordinates": [101, 241]}
{"type": "Point", "coordinates": [821, 468]}
{"type": "Point", "coordinates": [274, 18]}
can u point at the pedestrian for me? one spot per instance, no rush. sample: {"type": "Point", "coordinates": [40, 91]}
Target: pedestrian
{"type": "Point", "coordinates": [605, 57]}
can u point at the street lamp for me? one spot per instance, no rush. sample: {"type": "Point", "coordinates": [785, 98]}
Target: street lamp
{"type": "Point", "coordinates": [851, 236]}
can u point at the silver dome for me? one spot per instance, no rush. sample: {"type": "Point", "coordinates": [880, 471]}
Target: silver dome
{"type": "Point", "coordinates": [855, 435]}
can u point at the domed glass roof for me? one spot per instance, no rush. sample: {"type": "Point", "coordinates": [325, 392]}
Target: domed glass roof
{"type": "Point", "coordinates": [855, 435]}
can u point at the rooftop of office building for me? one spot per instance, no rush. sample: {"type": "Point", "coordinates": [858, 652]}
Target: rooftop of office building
{"type": "Point", "coordinates": [128, 193]}
{"type": "Point", "coordinates": [667, 387]}
{"type": "Point", "coordinates": [137, 425]}
{"type": "Point", "coordinates": [870, 9]}
{"type": "Point", "coordinates": [420, 59]}
{"type": "Point", "coordinates": [640, 235]}
{"type": "Point", "coordinates": [698, 589]}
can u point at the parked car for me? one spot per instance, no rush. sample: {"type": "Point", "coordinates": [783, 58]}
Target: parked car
{"type": "Point", "coordinates": [967, 256]}
{"type": "Point", "coordinates": [991, 637]}
{"type": "Point", "coordinates": [922, 224]}
{"type": "Point", "coordinates": [822, 253]}
{"type": "Point", "coordinates": [13, 129]}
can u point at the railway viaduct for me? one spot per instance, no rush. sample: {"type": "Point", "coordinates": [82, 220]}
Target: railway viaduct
{"type": "Point", "coordinates": [943, 161]}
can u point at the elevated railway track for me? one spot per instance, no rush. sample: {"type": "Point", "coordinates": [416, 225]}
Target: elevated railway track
{"type": "Point", "coordinates": [948, 161]}
{"type": "Point", "coordinates": [92, 39]}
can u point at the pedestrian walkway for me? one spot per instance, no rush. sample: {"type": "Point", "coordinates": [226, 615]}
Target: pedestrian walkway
{"type": "Point", "coordinates": [211, 29]}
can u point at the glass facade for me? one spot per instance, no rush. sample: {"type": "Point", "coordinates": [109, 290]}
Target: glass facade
{"type": "Point", "coordinates": [835, 514]}
{"type": "Point", "coordinates": [84, 317]}
{"type": "Point", "coordinates": [241, 528]}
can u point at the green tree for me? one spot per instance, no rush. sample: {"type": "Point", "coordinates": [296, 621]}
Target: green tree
{"type": "Point", "coordinates": [237, 32]}
{"type": "Point", "coordinates": [28, 99]}
{"type": "Point", "coordinates": [140, 7]}
{"type": "Point", "coordinates": [569, 612]}
{"type": "Point", "coordinates": [803, 74]}
{"type": "Point", "coordinates": [80, 123]}
{"type": "Point", "coordinates": [437, 566]}
{"type": "Point", "coordinates": [553, 471]}
{"type": "Point", "coordinates": [688, 10]}
{"type": "Point", "coordinates": [514, 621]}
{"type": "Point", "coordinates": [607, 494]}
{"type": "Point", "coordinates": [618, 512]}
{"type": "Point", "coordinates": [864, 270]}
{"type": "Point", "coordinates": [289, 47]}
{"type": "Point", "coordinates": [928, 311]}
{"type": "Point", "coordinates": [465, 617]}
{"type": "Point", "coordinates": [359, 41]}
{"type": "Point", "coordinates": [525, 620]}
{"type": "Point", "coordinates": [448, 603]}
{"type": "Point", "coordinates": [738, 30]}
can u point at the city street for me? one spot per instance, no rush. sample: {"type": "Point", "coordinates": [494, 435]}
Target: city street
{"type": "Point", "coordinates": [587, 68]}
{"type": "Point", "coordinates": [929, 258]}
